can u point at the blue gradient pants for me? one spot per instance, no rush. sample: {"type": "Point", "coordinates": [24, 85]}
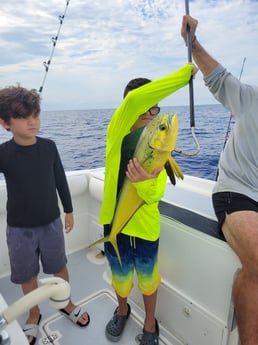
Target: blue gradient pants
{"type": "Point", "coordinates": [137, 254]}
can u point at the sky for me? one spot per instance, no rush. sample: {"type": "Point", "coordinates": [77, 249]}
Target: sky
{"type": "Point", "coordinates": [102, 44]}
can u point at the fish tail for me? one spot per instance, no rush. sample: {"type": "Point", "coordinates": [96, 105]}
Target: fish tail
{"type": "Point", "coordinates": [101, 240]}
{"type": "Point", "coordinates": [114, 244]}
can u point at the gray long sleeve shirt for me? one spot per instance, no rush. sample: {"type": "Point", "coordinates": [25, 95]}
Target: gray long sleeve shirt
{"type": "Point", "coordinates": [238, 167]}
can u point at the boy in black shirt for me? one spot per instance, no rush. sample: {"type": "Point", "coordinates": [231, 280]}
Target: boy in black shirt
{"type": "Point", "coordinates": [34, 174]}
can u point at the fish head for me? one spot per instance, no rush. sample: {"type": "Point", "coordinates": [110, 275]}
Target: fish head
{"type": "Point", "coordinates": [162, 132]}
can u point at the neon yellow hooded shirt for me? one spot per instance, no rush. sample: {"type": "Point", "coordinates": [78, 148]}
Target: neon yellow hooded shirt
{"type": "Point", "coordinates": [136, 103]}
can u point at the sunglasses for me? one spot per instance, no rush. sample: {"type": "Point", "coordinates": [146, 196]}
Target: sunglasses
{"type": "Point", "coordinates": [154, 110]}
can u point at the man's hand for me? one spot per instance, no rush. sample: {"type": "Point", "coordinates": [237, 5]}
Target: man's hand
{"type": "Point", "coordinates": [192, 23]}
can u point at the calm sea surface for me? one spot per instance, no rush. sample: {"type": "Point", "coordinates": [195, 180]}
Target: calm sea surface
{"type": "Point", "coordinates": [80, 137]}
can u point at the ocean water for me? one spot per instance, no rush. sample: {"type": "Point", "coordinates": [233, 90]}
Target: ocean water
{"type": "Point", "coordinates": [80, 137]}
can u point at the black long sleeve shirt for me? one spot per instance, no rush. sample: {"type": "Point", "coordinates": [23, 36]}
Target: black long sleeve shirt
{"type": "Point", "coordinates": [34, 174]}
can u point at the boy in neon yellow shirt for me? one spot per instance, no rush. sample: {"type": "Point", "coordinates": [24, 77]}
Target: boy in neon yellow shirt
{"type": "Point", "coordinates": [138, 241]}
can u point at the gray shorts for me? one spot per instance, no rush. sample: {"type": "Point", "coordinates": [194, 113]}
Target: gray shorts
{"type": "Point", "coordinates": [27, 245]}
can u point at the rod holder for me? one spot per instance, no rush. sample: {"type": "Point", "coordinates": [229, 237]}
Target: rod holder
{"type": "Point", "coordinates": [56, 289]}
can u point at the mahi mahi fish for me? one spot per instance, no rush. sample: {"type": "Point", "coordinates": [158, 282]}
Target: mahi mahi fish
{"type": "Point", "coordinates": [153, 151]}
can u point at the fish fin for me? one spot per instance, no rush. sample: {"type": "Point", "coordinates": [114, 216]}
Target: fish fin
{"type": "Point", "coordinates": [170, 173]}
{"type": "Point", "coordinates": [114, 244]}
{"type": "Point", "coordinates": [176, 168]}
{"type": "Point", "coordinates": [101, 240]}
{"type": "Point", "coordinates": [173, 169]}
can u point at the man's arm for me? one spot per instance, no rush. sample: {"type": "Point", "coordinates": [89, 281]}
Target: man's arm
{"type": "Point", "coordinates": [204, 61]}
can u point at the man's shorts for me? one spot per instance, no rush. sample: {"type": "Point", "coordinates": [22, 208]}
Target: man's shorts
{"type": "Point", "coordinates": [27, 245]}
{"type": "Point", "coordinates": [138, 254]}
{"type": "Point", "coordinates": [229, 202]}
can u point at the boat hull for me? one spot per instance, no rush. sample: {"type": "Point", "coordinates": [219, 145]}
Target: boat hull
{"type": "Point", "coordinates": [197, 266]}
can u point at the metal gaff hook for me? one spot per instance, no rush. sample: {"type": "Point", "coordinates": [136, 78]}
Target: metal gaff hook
{"type": "Point", "coordinates": [191, 93]}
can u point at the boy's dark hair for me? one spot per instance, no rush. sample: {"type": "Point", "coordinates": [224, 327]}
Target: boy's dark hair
{"type": "Point", "coordinates": [18, 102]}
{"type": "Point", "coordinates": [134, 83]}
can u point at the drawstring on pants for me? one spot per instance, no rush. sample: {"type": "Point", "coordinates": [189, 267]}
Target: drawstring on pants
{"type": "Point", "coordinates": [132, 242]}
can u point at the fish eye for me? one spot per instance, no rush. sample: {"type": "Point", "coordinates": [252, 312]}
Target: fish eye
{"type": "Point", "coordinates": [162, 127]}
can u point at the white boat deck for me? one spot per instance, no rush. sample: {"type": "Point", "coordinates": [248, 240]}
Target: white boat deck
{"type": "Point", "coordinates": [194, 304]}
{"type": "Point", "coordinates": [90, 289]}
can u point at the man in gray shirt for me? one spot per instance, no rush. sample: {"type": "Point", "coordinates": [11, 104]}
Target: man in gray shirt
{"type": "Point", "coordinates": [235, 196]}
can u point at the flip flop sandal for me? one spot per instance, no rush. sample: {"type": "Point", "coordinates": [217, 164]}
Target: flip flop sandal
{"type": "Point", "coordinates": [115, 326]}
{"type": "Point", "coordinates": [150, 338]}
{"type": "Point", "coordinates": [75, 316]}
{"type": "Point", "coordinates": [32, 329]}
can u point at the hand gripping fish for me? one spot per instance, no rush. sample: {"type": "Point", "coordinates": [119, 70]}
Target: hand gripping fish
{"type": "Point", "coordinates": [153, 150]}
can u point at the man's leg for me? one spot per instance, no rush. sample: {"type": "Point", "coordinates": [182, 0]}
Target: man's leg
{"type": "Point", "coordinates": [241, 232]}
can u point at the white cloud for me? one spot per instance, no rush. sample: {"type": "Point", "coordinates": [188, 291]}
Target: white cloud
{"type": "Point", "coordinates": [103, 44]}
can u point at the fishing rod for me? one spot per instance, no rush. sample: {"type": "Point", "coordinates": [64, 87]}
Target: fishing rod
{"type": "Point", "coordinates": [54, 41]}
{"type": "Point", "coordinates": [231, 115]}
{"type": "Point", "coordinates": [191, 92]}
{"type": "Point", "coordinates": [230, 118]}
